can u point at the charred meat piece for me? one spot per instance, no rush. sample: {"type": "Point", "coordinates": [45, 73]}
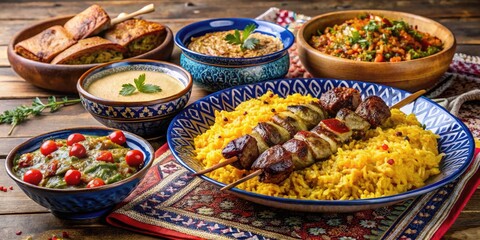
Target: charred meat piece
{"type": "Point", "coordinates": [320, 148]}
{"type": "Point", "coordinates": [301, 155]}
{"type": "Point", "coordinates": [374, 110]}
{"type": "Point", "coordinates": [357, 124]}
{"type": "Point", "coordinates": [244, 148]}
{"type": "Point", "coordinates": [329, 137]}
{"type": "Point", "coordinates": [338, 128]}
{"type": "Point", "coordinates": [271, 133]}
{"type": "Point", "coordinates": [291, 119]}
{"type": "Point", "coordinates": [276, 165]}
{"type": "Point", "coordinates": [340, 97]}
{"type": "Point", "coordinates": [309, 116]}
{"type": "Point", "coordinates": [261, 144]}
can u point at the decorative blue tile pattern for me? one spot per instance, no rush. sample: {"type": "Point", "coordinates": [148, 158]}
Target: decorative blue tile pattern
{"type": "Point", "coordinates": [136, 112]}
{"type": "Point", "coordinates": [455, 141]}
{"type": "Point", "coordinates": [214, 78]}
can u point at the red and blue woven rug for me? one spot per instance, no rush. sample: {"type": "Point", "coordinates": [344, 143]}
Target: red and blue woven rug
{"type": "Point", "coordinates": [171, 203]}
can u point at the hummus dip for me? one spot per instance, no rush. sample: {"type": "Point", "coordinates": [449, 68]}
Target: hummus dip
{"type": "Point", "coordinates": [214, 44]}
{"type": "Point", "coordinates": [109, 86]}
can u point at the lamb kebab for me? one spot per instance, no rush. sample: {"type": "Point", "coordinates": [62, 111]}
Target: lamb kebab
{"type": "Point", "coordinates": [308, 147]}
{"type": "Point", "coordinates": [243, 151]}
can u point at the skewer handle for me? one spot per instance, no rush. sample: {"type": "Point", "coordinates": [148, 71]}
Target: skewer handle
{"type": "Point", "coordinates": [122, 17]}
{"type": "Point", "coordinates": [248, 177]}
{"type": "Point", "coordinates": [409, 99]}
{"type": "Point", "coordinates": [219, 165]}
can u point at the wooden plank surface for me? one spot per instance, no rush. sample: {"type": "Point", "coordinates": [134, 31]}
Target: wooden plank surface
{"type": "Point", "coordinates": [19, 213]}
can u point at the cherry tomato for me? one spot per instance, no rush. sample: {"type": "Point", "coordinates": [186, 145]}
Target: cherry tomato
{"type": "Point", "coordinates": [48, 147]}
{"type": "Point", "coordinates": [78, 150]}
{"type": "Point", "coordinates": [105, 156]}
{"type": "Point", "coordinates": [33, 176]}
{"type": "Point", "coordinates": [134, 158]}
{"type": "Point", "coordinates": [118, 137]}
{"type": "Point", "coordinates": [73, 177]}
{"type": "Point", "coordinates": [96, 182]}
{"type": "Point", "coordinates": [74, 138]}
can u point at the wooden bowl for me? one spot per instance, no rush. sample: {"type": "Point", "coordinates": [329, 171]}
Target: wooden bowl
{"type": "Point", "coordinates": [411, 75]}
{"type": "Point", "coordinates": [63, 78]}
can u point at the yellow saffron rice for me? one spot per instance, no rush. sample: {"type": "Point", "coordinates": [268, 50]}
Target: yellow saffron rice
{"type": "Point", "coordinates": [386, 163]}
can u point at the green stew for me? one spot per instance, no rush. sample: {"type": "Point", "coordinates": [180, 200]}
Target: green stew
{"type": "Point", "coordinates": [81, 161]}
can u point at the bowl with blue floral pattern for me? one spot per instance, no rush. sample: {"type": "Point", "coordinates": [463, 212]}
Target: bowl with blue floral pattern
{"type": "Point", "coordinates": [213, 71]}
{"type": "Point", "coordinates": [125, 100]}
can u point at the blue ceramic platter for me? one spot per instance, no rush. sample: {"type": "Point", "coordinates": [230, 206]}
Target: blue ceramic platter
{"type": "Point", "coordinates": [456, 141]}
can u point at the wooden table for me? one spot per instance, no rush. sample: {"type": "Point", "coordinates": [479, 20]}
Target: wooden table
{"type": "Point", "coordinates": [19, 213]}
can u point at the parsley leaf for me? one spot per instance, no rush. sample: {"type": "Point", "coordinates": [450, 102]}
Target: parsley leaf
{"type": "Point", "coordinates": [250, 43]}
{"type": "Point", "coordinates": [150, 88]}
{"type": "Point", "coordinates": [129, 89]}
{"type": "Point", "coordinates": [244, 41]}
{"type": "Point", "coordinates": [230, 38]}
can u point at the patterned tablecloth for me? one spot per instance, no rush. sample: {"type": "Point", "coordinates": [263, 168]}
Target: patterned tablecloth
{"type": "Point", "coordinates": [171, 203]}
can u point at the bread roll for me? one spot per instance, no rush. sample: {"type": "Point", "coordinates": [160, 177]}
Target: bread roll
{"type": "Point", "coordinates": [87, 22]}
{"type": "Point", "coordinates": [91, 50]}
{"type": "Point", "coordinates": [137, 36]}
{"type": "Point", "coordinates": [46, 45]}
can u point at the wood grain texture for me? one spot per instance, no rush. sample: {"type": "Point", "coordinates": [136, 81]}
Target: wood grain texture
{"type": "Point", "coordinates": [19, 213]}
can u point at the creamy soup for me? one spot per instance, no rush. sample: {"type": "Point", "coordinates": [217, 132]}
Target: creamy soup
{"type": "Point", "coordinates": [109, 87]}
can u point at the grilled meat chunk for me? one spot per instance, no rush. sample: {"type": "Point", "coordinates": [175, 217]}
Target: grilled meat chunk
{"type": "Point", "coordinates": [244, 148]}
{"type": "Point", "coordinates": [329, 137]}
{"type": "Point", "coordinates": [338, 128]}
{"type": "Point", "coordinates": [374, 110]}
{"type": "Point", "coordinates": [340, 97]}
{"type": "Point", "coordinates": [354, 122]}
{"type": "Point", "coordinates": [276, 165]}
{"type": "Point", "coordinates": [309, 116]}
{"type": "Point", "coordinates": [271, 133]}
{"type": "Point", "coordinates": [291, 119]}
{"type": "Point", "coordinates": [301, 155]}
{"type": "Point", "coordinates": [320, 148]}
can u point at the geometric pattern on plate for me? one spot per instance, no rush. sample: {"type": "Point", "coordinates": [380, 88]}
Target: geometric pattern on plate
{"type": "Point", "coordinates": [456, 142]}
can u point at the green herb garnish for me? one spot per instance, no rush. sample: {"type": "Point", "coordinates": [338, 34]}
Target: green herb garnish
{"type": "Point", "coordinates": [243, 40]}
{"type": "Point", "coordinates": [21, 113]}
{"type": "Point", "coordinates": [128, 88]}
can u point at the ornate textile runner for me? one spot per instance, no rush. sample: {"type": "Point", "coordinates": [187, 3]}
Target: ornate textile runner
{"type": "Point", "coordinates": [171, 203]}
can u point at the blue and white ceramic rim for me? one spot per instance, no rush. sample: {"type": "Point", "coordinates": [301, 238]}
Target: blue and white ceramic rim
{"type": "Point", "coordinates": [369, 89]}
{"type": "Point", "coordinates": [184, 35]}
{"type": "Point", "coordinates": [133, 141]}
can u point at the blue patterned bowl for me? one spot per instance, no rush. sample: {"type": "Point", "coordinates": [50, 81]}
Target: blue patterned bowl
{"type": "Point", "coordinates": [215, 73]}
{"type": "Point", "coordinates": [456, 141]}
{"type": "Point", "coordinates": [145, 118]}
{"type": "Point", "coordinates": [80, 203]}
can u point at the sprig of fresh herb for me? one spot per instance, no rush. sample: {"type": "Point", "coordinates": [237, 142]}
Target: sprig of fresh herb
{"type": "Point", "coordinates": [22, 113]}
{"type": "Point", "coordinates": [128, 88]}
{"type": "Point", "coordinates": [243, 40]}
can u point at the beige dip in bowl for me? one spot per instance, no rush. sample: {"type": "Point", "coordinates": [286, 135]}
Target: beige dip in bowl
{"type": "Point", "coordinates": [109, 87]}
